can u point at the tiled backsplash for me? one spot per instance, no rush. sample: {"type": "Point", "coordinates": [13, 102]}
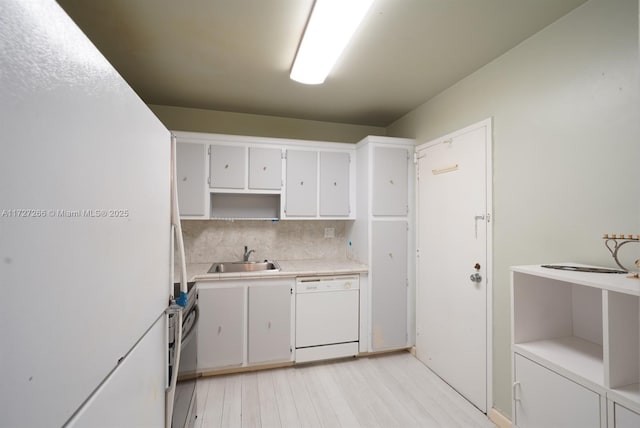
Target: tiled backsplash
{"type": "Point", "coordinates": [208, 241]}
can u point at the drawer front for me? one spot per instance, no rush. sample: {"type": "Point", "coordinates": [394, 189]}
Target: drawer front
{"type": "Point", "coordinates": [543, 398]}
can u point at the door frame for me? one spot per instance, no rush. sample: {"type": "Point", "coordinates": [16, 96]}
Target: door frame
{"type": "Point", "coordinates": [487, 125]}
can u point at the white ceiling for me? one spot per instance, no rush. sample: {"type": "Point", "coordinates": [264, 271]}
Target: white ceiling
{"type": "Point", "coordinates": [235, 55]}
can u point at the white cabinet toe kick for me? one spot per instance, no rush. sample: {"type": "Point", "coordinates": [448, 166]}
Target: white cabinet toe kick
{"type": "Point", "coordinates": [326, 352]}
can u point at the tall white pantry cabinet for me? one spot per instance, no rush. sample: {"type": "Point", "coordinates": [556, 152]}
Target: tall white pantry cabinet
{"type": "Point", "coordinates": [383, 237]}
{"type": "Point", "coordinates": [575, 349]}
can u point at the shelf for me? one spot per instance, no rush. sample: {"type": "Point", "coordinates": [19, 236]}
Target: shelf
{"type": "Point", "coordinates": [569, 356]}
{"type": "Point", "coordinates": [243, 206]}
{"type": "Point", "coordinates": [583, 326]}
{"type": "Point", "coordinates": [628, 396]}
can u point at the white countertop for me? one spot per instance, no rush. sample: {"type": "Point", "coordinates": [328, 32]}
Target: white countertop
{"type": "Point", "coordinates": [620, 283]}
{"type": "Point", "coordinates": [288, 268]}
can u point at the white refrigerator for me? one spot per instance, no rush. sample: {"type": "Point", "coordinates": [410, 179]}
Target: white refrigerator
{"type": "Point", "coordinates": [85, 232]}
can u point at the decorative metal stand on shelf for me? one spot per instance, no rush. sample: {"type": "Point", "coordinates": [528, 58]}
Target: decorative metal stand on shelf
{"type": "Point", "coordinates": [614, 242]}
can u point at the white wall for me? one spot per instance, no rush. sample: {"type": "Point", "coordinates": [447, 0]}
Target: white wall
{"type": "Point", "coordinates": [223, 122]}
{"type": "Point", "coordinates": [566, 135]}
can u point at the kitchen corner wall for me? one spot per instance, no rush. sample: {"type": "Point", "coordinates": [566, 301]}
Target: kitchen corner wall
{"type": "Point", "coordinates": [566, 148]}
{"type": "Point", "coordinates": [222, 122]}
{"type": "Point", "coordinates": [208, 241]}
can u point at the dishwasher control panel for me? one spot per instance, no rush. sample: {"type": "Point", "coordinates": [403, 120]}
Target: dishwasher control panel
{"type": "Point", "coordinates": [327, 283]}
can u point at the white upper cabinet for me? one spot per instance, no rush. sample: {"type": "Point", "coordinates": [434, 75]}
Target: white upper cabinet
{"type": "Point", "coordinates": [227, 167]}
{"type": "Point", "coordinates": [191, 162]}
{"type": "Point", "coordinates": [319, 184]}
{"type": "Point", "coordinates": [302, 183]}
{"type": "Point", "coordinates": [243, 168]}
{"type": "Point", "coordinates": [334, 184]}
{"type": "Point", "coordinates": [390, 181]}
{"type": "Point", "coordinates": [264, 178]}
{"type": "Point", "coordinates": [265, 168]}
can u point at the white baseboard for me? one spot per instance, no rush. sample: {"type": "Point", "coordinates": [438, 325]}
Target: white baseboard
{"type": "Point", "coordinates": [499, 419]}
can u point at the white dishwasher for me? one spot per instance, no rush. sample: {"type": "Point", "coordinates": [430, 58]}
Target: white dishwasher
{"type": "Point", "coordinates": [327, 317]}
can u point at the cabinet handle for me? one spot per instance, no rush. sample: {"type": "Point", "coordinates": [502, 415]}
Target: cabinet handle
{"type": "Point", "coordinates": [184, 178]}
{"type": "Point", "coordinates": [302, 183]}
{"type": "Point", "coordinates": [219, 329]}
{"type": "Point", "coordinates": [269, 324]}
{"type": "Point", "coordinates": [264, 168]}
{"type": "Point", "coordinates": [335, 184]}
{"type": "Point", "coordinates": [515, 396]}
{"type": "Point", "coordinates": [226, 166]}
{"type": "Point", "coordinates": [391, 182]}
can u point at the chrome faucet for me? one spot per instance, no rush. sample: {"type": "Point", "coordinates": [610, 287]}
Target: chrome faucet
{"type": "Point", "coordinates": [247, 253]}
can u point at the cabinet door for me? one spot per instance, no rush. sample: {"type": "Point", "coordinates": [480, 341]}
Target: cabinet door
{"type": "Point", "coordinates": [220, 327]}
{"type": "Point", "coordinates": [390, 181]}
{"type": "Point", "coordinates": [227, 167]}
{"type": "Point", "coordinates": [389, 285]}
{"type": "Point", "coordinates": [334, 184]}
{"type": "Point", "coordinates": [625, 418]}
{"type": "Point", "coordinates": [265, 168]}
{"type": "Point", "coordinates": [543, 398]}
{"type": "Point", "coordinates": [302, 183]}
{"type": "Point", "coordinates": [190, 178]}
{"type": "Point", "coordinates": [269, 323]}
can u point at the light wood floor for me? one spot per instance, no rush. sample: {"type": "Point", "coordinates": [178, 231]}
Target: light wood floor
{"type": "Point", "coordinates": [394, 390]}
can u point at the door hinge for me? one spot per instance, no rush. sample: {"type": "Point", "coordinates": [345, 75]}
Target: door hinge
{"type": "Point", "coordinates": [417, 253]}
{"type": "Point", "coordinates": [291, 291]}
{"type": "Point", "coordinates": [488, 217]}
{"type": "Point", "coordinates": [283, 154]}
{"type": "Point", "coordinates": [290, 349]}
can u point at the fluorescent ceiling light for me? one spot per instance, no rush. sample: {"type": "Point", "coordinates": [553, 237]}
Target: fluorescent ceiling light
{"type": "Point", "coordinates": [328, 31]}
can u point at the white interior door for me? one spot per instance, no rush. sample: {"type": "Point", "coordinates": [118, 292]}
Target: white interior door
{"type": "Point", "coordinates": [453, 214]}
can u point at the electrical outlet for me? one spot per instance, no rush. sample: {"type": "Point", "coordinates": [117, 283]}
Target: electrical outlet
{"type": "Point", "coordinates": [329, 232]}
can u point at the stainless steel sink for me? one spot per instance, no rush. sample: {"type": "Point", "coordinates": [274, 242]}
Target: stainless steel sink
{"type": "Point", "coordinates": [226, 267]}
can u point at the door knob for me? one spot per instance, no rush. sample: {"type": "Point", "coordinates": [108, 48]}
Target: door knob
{"type": "Point", "coordinates": [476, 277]}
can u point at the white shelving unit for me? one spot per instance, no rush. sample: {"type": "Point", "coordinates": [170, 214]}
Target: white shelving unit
{"type": "Point", "coordinates": [583, 327]}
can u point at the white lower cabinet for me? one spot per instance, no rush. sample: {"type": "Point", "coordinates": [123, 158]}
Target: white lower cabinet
{"type": "Point", "coordinates": [543, 398]}
{"type": "Point", "coordinates": [269, 323]}
{"type": "Point", "coordinates": [244, 322]}
{"type": "Point", "coordinates": [389, 285]}
{"type": "Point", "coordinates": [221, 327]}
